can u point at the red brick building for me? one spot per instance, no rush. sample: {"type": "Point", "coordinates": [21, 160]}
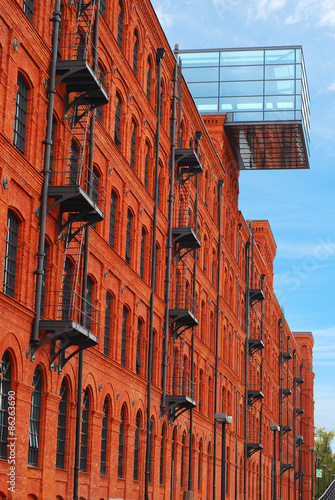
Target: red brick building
{"type": "Point", "coordinates": [131, 278]}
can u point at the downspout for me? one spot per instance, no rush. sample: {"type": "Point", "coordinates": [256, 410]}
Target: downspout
{"type": "Point", "coordinates": [169, 244]}
{"type": "Point", "coordinates": [220, 185]}
{"type": "Point", "coordinates": [84, 284]}
{"type": "Point", "coordinates": [261, 410]}
{"type": "Point", "coordinates": [193, 337]}
{"type": "Point", "coordinates": [46, 170]}
{"type": "Point", "coordinates": [159, 56]}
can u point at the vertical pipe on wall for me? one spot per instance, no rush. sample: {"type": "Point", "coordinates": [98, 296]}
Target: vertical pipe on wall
{"type": "Point", "coordinates": [220, 185]}
{"type": "Point", "coordinates": [159, 56]}
{"type": "Point", "coordinates": [46, 170]}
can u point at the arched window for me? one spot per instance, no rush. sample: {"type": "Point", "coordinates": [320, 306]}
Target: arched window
{"type": "Point", "coordinates": [182, 459]}
{"type": "Point", "coordinates": [161, 460]}
{"type": "Point", "coordinates": [142, 257]}
{"type": "Point", "coordinates": [103, 456]}
{"type": "Point", "coordinates": [44, 279]}
{"type": "Point", "coordinates": [107, 323]}
{"type": "Point", "coordinates": [10, 254]}
{"type": "Point", "coordinates": [61, 431]}
{"type": "Point", "coordinates": [124, 336]}
{"type": "Point", "coordinates": [5, 387]}
{"type": "Point", "coordinates": [135, 53]}
{"type": "Point", "coordinates": [128, 236]}
{"type": "Point", "coordinates": [136, 446]}
{"type": "Point", "coordinates": [121, 443]}
{"type": "Point", "coordinates": [89, 297]}
{"type": "Point", "coordinates": [117, 131]}
{"type": "Point", "coordinates": [151, 461]}
{"type": "Point", "coordinates": [35, 411]}
{"type": "Point", "coordinates": [149, 79]}
{"type": "Point", "coordinates": [138, 346]}
{"type": "Point", "coordinates": [28, 8]}
{"type": "Point", "coordinates": [112, 219]}
{"type": "Point", "coordinates": [73, 164]}
{"type": "Point", "coordinates": [120, 26]}
{"type": "Point", "coordinates": [67, 279]}
{"type": "Point", "coordinates": [146, 166]}
{"type": "Point", "coordinates": [84, 431]}
{"type": "Point", "coordinates": [199, 464]}
{"type": "Point", "coordinates": [133, 146]}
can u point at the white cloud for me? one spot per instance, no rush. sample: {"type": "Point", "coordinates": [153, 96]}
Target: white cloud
{"type": "Point", "coordinates": [266, 7]}
{"type": "Point", "coordinates": [331, 87]}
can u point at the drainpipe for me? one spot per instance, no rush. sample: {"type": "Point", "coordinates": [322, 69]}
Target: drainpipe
{"type": "Point", "coordinates": [159, 56]}
{"type": "Point", "coordinates": [220, 185]}
{"type": "Point", "coordinates": [46, 170]}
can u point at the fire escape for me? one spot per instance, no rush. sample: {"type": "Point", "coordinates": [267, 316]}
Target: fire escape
{"type": "Point", "coordinates": [183, 312]}
{"type": "Point", "coordinates": [69, 319]}
{"type": "Point", "coordinates": [255, 344]}
{"type": "Point", "coordinates": [297, 412]}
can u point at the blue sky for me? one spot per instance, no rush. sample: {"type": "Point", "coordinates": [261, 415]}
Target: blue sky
{"type": "Point", "coordinates": [298, 204]}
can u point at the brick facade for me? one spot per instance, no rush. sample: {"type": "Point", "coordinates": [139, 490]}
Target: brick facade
{"type": "Point", "coordinates": [117, 374]}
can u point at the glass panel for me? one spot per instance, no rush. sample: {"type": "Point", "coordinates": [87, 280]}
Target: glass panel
{"type": "Point", "coordinates": [239, 57]}
{"type": "Point", "coordinates": [247, 73]}
{"type": "Point", "coordinates": [201, 74]}
{"type": "Point", "coordinates": [298, 86]}
{"type": "Point", "coordinates": [279, 87]}
{"type": "Point", "coordinates": [241, 88]}
{"type": "Point", "coordinates": [280, 56]}
{"type": "Point", "coordinates": [280, 103]}
{"type": "Point", "coordinates": [241, 104]}
{"type": "Point", "coordinates": [298, 55]}
{"type": "Point", "coordinates": [298, 102]}
{"type": "Point", "coordinates": [279, 115]}
{"type": "Point", "coordinates": [298, 71]}
{"type": "Point", "coordinates": [277, 72]}
{"type": "Point", "coordinates": [204, 89]}
{"type": "Point", "coordinates": [209, 105]}
{"type": "Point", "coordinates": [248, 117]}
{"type": "Point", "coordinates": [200, 59]}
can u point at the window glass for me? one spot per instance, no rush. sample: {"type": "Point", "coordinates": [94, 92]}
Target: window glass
{"type": "Point", "coordinates": [10, 254]}
{"type": "Point", "coordinates": [20, 115]}
{"type": "Point", "coordinates": [61, 431]}
{"type": "Point", "coordinates": [34, 427]}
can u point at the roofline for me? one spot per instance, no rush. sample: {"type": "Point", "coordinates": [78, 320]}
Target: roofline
{"type": "Point", "coordinates": [235, 49]}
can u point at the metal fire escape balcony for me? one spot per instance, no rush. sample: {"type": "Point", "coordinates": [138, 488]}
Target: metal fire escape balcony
{"type": "Point", "coordinates": [285, 429]}
{"type": "Point", "coordinates": [286, 356]}
{"type": "Point", "coordinates": [253, 396]}
{"type": "Point", "coordinates": [284, 468]}
{"type": "Point", "coordinates": [69, 321]}
{"type": "Point", "coordinates": [299, 380]}
{"type": "Point", "coordinates": [188, 161]}
{"type": "Point", "coordinates": [184, 232]}
{"type": "Point", "coordinates": [285, 392]}
{"type": "Point", "coordinates": [254, 443]}
{"type": "Point", "coordinates": [299, 411]}
{"type": "Point", "coordinates": [254, 345]}
{"type": "Point", "coordinates": [181, 397]}
{"type": "Point", "coordinates": [255, 295]}
{"type": "Point", "coordinates": [253, 448]}
{"type": "Point", "coordinates": [183, 313]}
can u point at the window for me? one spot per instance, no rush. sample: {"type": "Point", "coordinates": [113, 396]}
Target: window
{"type": "Point", "coordinates": [142, 258]}
{"type": "Point", "coordinates": [182, 460]}
{"type": "Point", "coordinates": [112, 220]}
{"type": "Point", "coordinates": [199, 464]}
{"type": "Point", "coordinates": [149, 79]}
{"type": "Point", "coordinates": [133, 147]}
{"type": "Point", "coordinates": [103, 7]}
{"type": "Point", "coordinates": [104, 429]}
{"type": "Point", "coordinates": [10, 254]}
{"type": "Point", "coordinates": [151, 448]}
{"type": "Point", "coordinates": [128, 236]}
{"type": "Point", "coordinates": [44, 280]}
{"type": "Point", "coordinates": [95, 190]}
{"type": "Point", "coordinates": [73, 164]}
{"type": "Point", "coordinates": [89, 293]}
{"type": "Point", "coordinates": [98, 111]}
{"type": "Point", "coordinates": [135, 54]}
{"type": "Point", "coordinates": [146, 167]}
{"type": "Point", "coordinates": [136, 446]}
{"type": "Point", "coordinates": [138, 347]}
{"type": "Point", "coordinates": [35, 411]}
{"type": "Point", "coordinates": [124, 336]}
{"type": "Point", "coordinates": [20, 115]}
{"type": "Point", "coordinates": [161, 460]}
{"type": "Point", "coordinates": [84, 432]}
{"type": "Point", "coordinates": [61, 432]}
{"type": "Point", "coordinates": [120, 26]}
{"type": "Point", "coordinates": [52, 150]}
{"type": "Point", "coordinates": [107, 323]}
{"type": "Point", "coordinates": [117, 131]}
{"type": "Point", "coordinates": [67, 278]}
{"type": "Point", "coordinates": [121, 442]}
{"type": "Point", "coordinates": [5, 387]}
{"type": "Point", "coordinates": [28, 8]}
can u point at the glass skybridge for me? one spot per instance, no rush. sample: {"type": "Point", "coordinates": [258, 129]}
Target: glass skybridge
{"type": "Point", "coordinates": [264, 94]}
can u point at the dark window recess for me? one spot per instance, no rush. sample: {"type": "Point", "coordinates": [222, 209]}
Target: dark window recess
{"type": "Point", "coordinates": [117, 132]}
{"type": "Point", "coordinates": [74, 164]}
{"type": "Point", "coordinates": [52, 151]}
{"type": "Point", "coordinates": [138, 347]}
{"type": "Point", "coordinates": [10, 255]}
{"type": "Point", "coordinates": [124, 336]}
{"type": "Point", "coordinates": [161, 459]}
{"type": "Point", "coordinates": [28, 8]}
{"type": "Point", "coordinates": [103, 7]}
{"type": "Point", "coordinates": [81, 46]}
{"type": "Point", "coordinates": [133, 147]}
{"type": "Point", "coordinates": [61, 431]}
{"type": "Point", "coordinates": [34, 426]}
{"type": "Point", "coordinates": [89, 293]}
{"type": "Point", "coordinates": [149, 80]}
{"type": "Point", "coordinates": [142, 253]}
{"type": "Point", "coordinates": [146, 168]}
{"type": "Point", "coordinates": [5, 387]}
{"type": "Point", "coordinates": [128, 237]}
{"type": "Point", "coordinates": [107, 323]}
{"type": "Point", "coordinates": [67, 278]}
{"type": "Point", "coordinates": [136, 447]}
{"type": "Point", "coordinates": [121, 439]}
{"type": "Point", "coordinates": [103, 457]}
{"type": "Point", "coordinates": [112, 220]}
{"type": "Point", "coordinates": [84, 432]}
{"type": "Point", "coordinates": [101, 80]}
{"type": "Point", "coordinates": [20, 115]}
{"type": "Point", "coordinates": [44, 280]}
{"type": "Point", "coordinates": [135, 54]}
{"type": "Point", "coordinates": [120, 26]}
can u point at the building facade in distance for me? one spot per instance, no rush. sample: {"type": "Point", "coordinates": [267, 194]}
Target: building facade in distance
{"type": "Point", "coordinates": [137, 302]}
